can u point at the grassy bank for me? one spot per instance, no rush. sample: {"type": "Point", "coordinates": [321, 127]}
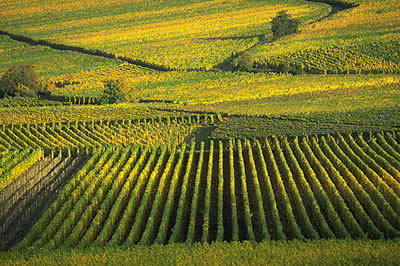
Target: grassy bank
{"type": "Point", "coordinates": [326, 252]}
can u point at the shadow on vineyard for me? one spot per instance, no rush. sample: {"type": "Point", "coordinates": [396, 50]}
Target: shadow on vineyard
{"type": "Point", "coordinates": [200, 134]}
{"type": "Point", "coordinates": [25, 200]}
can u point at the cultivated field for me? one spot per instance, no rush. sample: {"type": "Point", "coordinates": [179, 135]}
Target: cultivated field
{"type": "Point", "coordinates": [204, 161]}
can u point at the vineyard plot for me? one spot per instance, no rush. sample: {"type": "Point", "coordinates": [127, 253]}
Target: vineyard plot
{"type": "Point", "coordinates": [353, 59]}
{"type": "Point", "coordinates": [308, 188]}
{"type": "Point", "coordinates": [71, 136]}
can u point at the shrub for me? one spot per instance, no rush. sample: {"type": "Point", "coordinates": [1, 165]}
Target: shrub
{"type": "Point", "coordinates": [20, 81]}
{"type": "Point", "coordinates": [114, 91]}
{"type": "Point", "coordinates": [283, 24]}
{"type": "Point", "coordinates": [246, 61]}
{"type": "Point", "coordinates": [292, 68]}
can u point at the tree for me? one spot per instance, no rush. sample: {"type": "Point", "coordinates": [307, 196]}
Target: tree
{"type": "Point", "coordinates": [113, 91]}
{"type": "Point", "coordinates": [246, 61]}
{"type": "Point", "coordinates": [20, 80]}
{"type": "Point", "coordinates": [283, 24]}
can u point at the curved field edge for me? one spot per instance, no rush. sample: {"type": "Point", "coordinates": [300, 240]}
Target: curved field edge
{"type": "Point", "coordinates": [319, 252]}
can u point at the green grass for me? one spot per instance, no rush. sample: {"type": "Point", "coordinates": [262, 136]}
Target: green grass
{"type": "Point", "coordinates": [322, 252]}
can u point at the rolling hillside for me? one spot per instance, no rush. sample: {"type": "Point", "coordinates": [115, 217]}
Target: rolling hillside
{"type": "Point", "coordinates": [297, 154]}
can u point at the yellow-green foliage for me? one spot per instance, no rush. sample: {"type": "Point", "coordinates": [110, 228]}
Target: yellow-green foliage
{"type": "Point", "coordinates": [221, 87]}
{"type": "Point", "coordinates": [99, 133]}
{"type": "Point", "coordinates": [91, 83]}
{"type": "Point", "coordinates": [358, 99]}
{"type": "Point", "coordinates": [177, 34]}
{"type": "Point", "coordinates": [331, 166]}
{"type": "Point", "coordinates": [78, 113]}
{"type": "Point", "coordinates": [370, 21]}
{"type": "Point", "coordinates": [215, 87]}
{"type": "Point", "coordinates": [14, 166]}
{"type": "Point", "coordinates": [339, 59]}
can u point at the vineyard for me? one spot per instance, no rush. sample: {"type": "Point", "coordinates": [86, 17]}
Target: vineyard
{"type": "Point", "coordinates": [338, 60]}
{"type": "Point", "coordinates": [14, 163]}
{"type": "Point", "coordinates": [27, 197]}
{"type": "Point", "coordinates": [350, 33]}
{"type": "Point", "coordinates": [246, 126]}
{"type": "Point", "coordinates": [200, 132]}
{"type": "Point", "coordinates": [48, 62]}
{"type": "Point", "coordinates": [207, 88]}
{"type": "Point", "coordinates": [83, 113]}
{"type": "Point", "coordinates": [200, 35]}
{"type": "Point", "coordinates": [75, 137]}
{"type": "Point", "coordinates": [343, 186]}
{"type": "Point", "coordinates": [177, 35]}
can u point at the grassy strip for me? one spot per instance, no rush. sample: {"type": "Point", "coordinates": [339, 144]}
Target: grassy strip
{"type": "Point", "coordinates": [316, 252]}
